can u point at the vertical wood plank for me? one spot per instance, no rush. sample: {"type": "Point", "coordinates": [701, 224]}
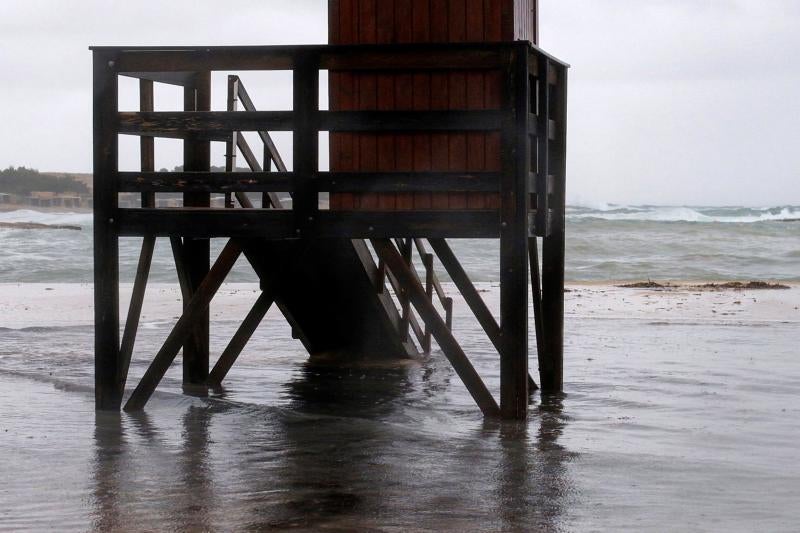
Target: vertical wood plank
{"type": "Point", "coordinates": [514, 249]}
{"type": "Point", "coordinates": [422, 141]}
{"type": "Point", "coordinates": [404, 142]}
{"type": "Point", "coordinates": [553, 254]}
{"type": "Point", "coordinates": [147, 144]}
{"type": "Point", "coordinates": [386, 141]}
{"type": "Point", "coordinates": [367, 100]}
{"type": "Point", "coordinates": [107, 364]}
{"type": "Point", "coordinates": [197, 156]}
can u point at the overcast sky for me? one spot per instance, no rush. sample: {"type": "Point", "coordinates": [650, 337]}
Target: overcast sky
{"type": "Point", "coordinates": [671, 101]}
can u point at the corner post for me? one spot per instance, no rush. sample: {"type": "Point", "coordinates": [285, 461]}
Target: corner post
{"type": "Point", "coordinates": [551, 363]}
{"type": "Point", "coordinates": [514, 243]}
{"type": "Point", "coordinates": [197, 156]}
{"type": "Point", "coordinates": [107, 363]}
{"type": "Point", "coordinates": [305, 155]}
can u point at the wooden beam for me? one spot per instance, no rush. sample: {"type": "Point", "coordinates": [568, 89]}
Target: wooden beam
{"type": "Point", "coordinates": [449, 345]}
{"type": "Point", "coordinates": [196, 309]}
{"type": "Point", "coordinates": [135, 309]}
{"type": "Point", "coordinates": [259, 181]}
{"type": "Point", "coordinates": [196, 251]}
{"type": "Point", "coordinates": [107, 363]}
{"type": "Point", "coordinates": [280, 224]}
{"type": "Point", "coordinates": [177, 123]}
{"type": "Point", "coordinates": [514, 248]}
{"type": "Point", "coordinates": [240, 338]}
{"type": "Point", "coordinates": [305, 140]}
{"type": "Point", "coordinates": [176, 243]}
{"type": "Point", "coordinates": [551, 360]}
{"type": "Point", "coordinates": [146, 144]}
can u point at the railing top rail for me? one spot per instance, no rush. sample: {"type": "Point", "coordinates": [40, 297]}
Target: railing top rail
{"type": "Point", "coordinates": [282, 57]}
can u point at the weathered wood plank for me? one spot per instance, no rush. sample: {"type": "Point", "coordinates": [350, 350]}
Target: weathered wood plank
{"type": "Point", "coordinates": [107, 363]}
{"type": "Point", "coordinates": [196, 251]}
{"type": "Point", "coordinates": [279, 224]}
{"type": "Point", "coordinates": [240, 338]}
{"type": "Point", "coordinates": [551, 362]}
{"type": "Point", "coordinates": [514, 250]}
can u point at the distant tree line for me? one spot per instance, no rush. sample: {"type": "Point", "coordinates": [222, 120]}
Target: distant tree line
{"type": "Point", "coordinates": [22, 181]}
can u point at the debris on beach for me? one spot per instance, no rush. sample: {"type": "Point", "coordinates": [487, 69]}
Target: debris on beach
{"type": "Point", "coordinates": [741, 285]}
{"type": "Point", "coordinates": [649, 284]}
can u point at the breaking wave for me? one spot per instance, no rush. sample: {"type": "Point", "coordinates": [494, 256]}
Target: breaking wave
{"type": "Point", "coordinates": [740, 215]}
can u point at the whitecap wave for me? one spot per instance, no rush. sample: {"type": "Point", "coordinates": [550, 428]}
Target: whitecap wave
{"type": "Point", "coordinates": [38, 217]}
{"type": "Point", "coordinates": [740, 215]}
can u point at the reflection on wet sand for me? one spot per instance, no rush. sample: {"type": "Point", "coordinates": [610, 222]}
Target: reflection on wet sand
{"type": "Point", "coordinates": [348, 453]}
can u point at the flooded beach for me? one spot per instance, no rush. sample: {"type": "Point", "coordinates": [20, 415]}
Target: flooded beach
{"type": "Point", "coordinates": [679, 415]}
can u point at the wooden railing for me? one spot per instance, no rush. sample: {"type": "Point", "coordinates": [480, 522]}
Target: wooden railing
{"type": "Point", "coordinates": [531, 124]}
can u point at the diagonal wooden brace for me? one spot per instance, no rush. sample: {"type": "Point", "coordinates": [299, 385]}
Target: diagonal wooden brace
{"type": "Point", "coordinates": [182, 329]}
{"type": "Point", "coordinates": [135, 310]}
{"type": "Point", "coordinates": [240, 338]}
{"type": "Point", "coordinates": [449, 345]}
{"type": "Point", "coordinates": [471, 296]}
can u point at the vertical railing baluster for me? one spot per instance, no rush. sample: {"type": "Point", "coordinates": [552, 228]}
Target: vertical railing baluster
{"type": "Point", "coordinates": [427, 260]}
{"type": "Point", "coordinates": [305, 203]}
{"type": "Point", "coordinates": [230, 145]}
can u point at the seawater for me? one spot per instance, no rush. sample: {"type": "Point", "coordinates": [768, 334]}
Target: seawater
{"type": "Point", "coordinates": [665, 426]}
{"type": "Point", "coordinates": [605, 242]}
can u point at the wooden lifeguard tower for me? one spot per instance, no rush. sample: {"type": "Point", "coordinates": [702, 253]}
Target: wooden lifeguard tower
{"type": "Point", "coordinates": [446, 121]}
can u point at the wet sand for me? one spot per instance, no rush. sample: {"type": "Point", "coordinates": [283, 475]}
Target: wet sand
{"type": "Point", "coordinates": [680, 414]}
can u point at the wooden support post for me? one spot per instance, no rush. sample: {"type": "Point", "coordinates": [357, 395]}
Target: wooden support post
{"type": "Point", "coordinates": [231, 144]}
{"type": "Point", "coordinates": [195, 311]}
{"type": "Point", "coordinates": [147, 144]}
{"type": "Point", "coordinates": [197, 156]}
{"type": "Point", "coordinates": [240, 338]}
{"type": "Point", "coordinates": [427, 260]}
{"type": "Point", "coordinates": [176, 244]}
{"type": "Point", "coordinates": [405, 246]}
{"type": "Point", "coordinates": [449, 345]}
{"type": "Point", "coordinates": [107, 363]}
{"type": "Point", "coordinates": [551, 364]}
{"type": "Point", "coordinates": [305, 156]}
{"type": "Point", "coordinates": [135, 309]}
{"type": "Point", "coordinates": [514, 246]}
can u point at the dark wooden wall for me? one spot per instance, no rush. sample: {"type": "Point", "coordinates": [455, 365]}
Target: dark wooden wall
{"type": "Point", "coordinates": [407, 21]}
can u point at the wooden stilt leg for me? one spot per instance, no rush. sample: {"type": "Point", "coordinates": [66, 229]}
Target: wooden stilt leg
{"type": "Point", "coordinates": [135, 309]}
{"type": "Point", "coordinates": [239, 340]}
{"type": "Point", "coordinates": [195, 310]}
{"type": "Point", "coordinates": [513, 249]}
{"type": "Point", "coordinates": [106, 240]}
{"type": "Point", "coordinates": [197, 157]}
{"type": "Point", "coordinates": [552, 375]}
{"type": "Point", "coordinates": [394, 262]}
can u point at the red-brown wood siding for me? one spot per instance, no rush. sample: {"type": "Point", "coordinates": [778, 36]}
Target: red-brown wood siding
{"type": "Point", "coordinates": [399, 21]}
